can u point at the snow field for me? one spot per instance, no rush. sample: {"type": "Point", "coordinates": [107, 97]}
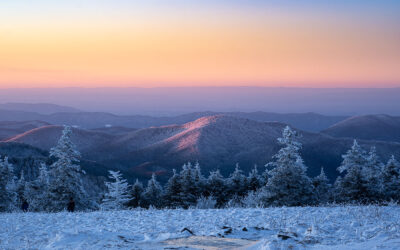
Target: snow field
{"type": "Point", "coordinates": [339, 227]}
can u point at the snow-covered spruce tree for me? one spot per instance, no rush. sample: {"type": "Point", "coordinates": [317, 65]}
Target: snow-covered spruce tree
{"type": "Point", "coordinates": [21, 187]}
{"type": "Point", "coordinates": [37, 191]}
{"type": "Point", "coordinates": [391, 180]}
{"type": "Point", "coordinates": [264, 177]}
{"type": "Point", "coordinates": [322, 188]}
{"type": "Point", "coordinates": [152, 195]}
{"type": "Point", "coordinates": [66, 176]}
{"type": "Point", "coordinates": [188, 191]}
{"type": "Point", "coordinates": [173, 190]}
{"type": "Point", "coordinates": [288, 184]}
{"type": "Point", "coordinates": [237, 184]}
{"type": "Point", "coordinates": [372, 176]}
{"type": "Point", "coordinates": [117, 196]}
{"type": "Point", "coordinates": [135, 194]}
{"type": "Point", "coordinates": [199, 181]}
{"type": "Point", "coordinates": [352, 187]}
{"type": "Point", "coordinates": [254, 180]}
{"type": "Point", "coordinates": [216, 187]}
{"type": "Point", "coordinates": [8, 192]}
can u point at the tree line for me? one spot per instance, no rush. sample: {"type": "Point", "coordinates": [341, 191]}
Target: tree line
{"type": "Point", "coordinates": [364, 178]}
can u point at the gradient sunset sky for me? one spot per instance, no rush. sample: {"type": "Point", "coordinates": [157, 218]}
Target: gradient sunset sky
{"type": "Point", "coordinates": [78, 43]}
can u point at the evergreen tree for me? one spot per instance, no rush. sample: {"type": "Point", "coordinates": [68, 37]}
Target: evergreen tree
{"type": "Point", "coordinates": [21, 186]}
{"type": "Point", "coordinates": [153, 193]}
{"type": "Point", "coordinates": [188, 187]}
{"type": "Point", "coordinates": [117, 196]}
{"type": "Point", "coordinates": [353, 186]}
{"type": "Point", "coordinates": [136, 194]}
{"type": "Point", "coordinates": [8, 194]}
{"type": "Point", "coordinates": [199, 181]}
{"type": "Point", "coordinates": [37, 191]}
{"type": "Point", "coordinates": [66, 176]}
{"type": "Point", "coordinates": [372, 176]}
{"type": "Point", "coordinates": [391, 180]}
{"type": "Point", "coordinates": [264, 177]}
{"type": "Point", "coordinates": [216, 187]}
{"type": "Point", "coordinates": [254, 180]}
{"type": "Point", "coordinates": [173, 190]}
{"type": "Point", "coordinates": [237, 183]}
{"type": "Point", "coordinates": [322, 188]}
{"type": "Point", "coordinates": [288, 183]}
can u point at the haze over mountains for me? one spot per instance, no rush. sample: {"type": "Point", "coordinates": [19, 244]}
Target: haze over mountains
{"type": "Point", "coordinates": [41, 108]}
{"type": "Point", "coordinates": [181, 100]}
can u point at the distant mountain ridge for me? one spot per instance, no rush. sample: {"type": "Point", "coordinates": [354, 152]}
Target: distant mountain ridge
{"type": "Point", "coordinates": [368, 127]}
{"type": "Point", "coordinates": [89, 120]}
{"type": "Point", "coordinates": [41, 108]}
{"type": "Point", "coordinates": [9, 128]}
{"type": "Point", "coordinates": [218, 141]}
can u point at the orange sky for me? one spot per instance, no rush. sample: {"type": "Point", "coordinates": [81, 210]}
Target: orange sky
{"type": "Point", "coordinates": [202, 47]}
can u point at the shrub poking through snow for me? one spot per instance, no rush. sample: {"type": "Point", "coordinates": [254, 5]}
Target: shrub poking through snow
{"type": "Point", "coordinates": [206, 202]}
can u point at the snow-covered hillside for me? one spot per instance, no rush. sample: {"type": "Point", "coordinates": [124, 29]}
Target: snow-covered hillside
{"type": "Point", "coordinates": [348, 227]}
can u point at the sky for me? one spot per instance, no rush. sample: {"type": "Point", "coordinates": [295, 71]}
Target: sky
{"type": "Point", "coordinates": [158, 43]}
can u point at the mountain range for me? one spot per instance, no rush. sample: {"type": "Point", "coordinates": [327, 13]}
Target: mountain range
{"type": "Point", "coordinates": [41, 108]}
{"type": "Point", "coordinates": [11, 128]}
{"type": "Point", "coordinates": [218, 141]}
{"type": "Point", "coordinates": [140, 145]}
{"type": "Point", "coordinates": [89, 120]}
{"type": "Point", "coordinates": [367, 127]}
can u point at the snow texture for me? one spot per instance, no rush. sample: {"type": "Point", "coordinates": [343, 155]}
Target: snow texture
{"type": "Point", "coordinates": [336, 227]}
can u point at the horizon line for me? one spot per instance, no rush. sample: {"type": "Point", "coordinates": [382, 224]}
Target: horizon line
{"type": "Point", "coordinates": [188, 87]}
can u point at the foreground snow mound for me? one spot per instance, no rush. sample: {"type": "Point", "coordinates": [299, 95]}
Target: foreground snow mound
{"type": "Point", "coordinates": [350, 227]}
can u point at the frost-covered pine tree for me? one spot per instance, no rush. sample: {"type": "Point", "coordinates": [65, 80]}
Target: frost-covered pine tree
{"type": "Point", "coordinates": [391, 180]}
{"type": "Point", "coordinates": [173, 190]}
{"type": "Point", "coordinates": [21, 186]}
{"type": "Point", "coordinates": [153, 193]}
{"type": "Point", "coordinates": [372, 176]}
{"type": "Point", "coordinates": [322, 188]}
{"type": "Point", "coordinates": [136, 194]}
{"type": "Point", "coordinates": [37, 191]}
{"type": "Point", "coordinates": [188, 191]}
{"type": "Point", "coordinates": [199, 181]}
{"type": "Point", "coordinates": [8, 192]}
{"type": "Point", "coordinates": [352, 187]}
{"type": "Point", "coordinates": [237, 183]}
{"type": "Point", "coordinates": [117, 196]}
{"type": "Point", "coordinates": [254, 180]}
{"type": "Point", "coordinates": [66, 176]}
{"type": "Point", "coordinates": [216, 187]}
{"type": "Point", "coordinates": [288, 184]}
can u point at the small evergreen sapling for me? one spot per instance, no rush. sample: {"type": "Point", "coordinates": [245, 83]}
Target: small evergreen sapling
{"type": "Point", "coordinates": [352, 187]}
{"type": "Point", "coordinates": [322, 188]}
{"type": "Point", "coordinates": [216, 187]}
{"type": "Point", "coordinates": [152, 195]}
{"type": "Point", "coordinates": [117, 196]}
{"type": "Point", "coordinates": [136, 194]}
{"type": "Point", "coordinates": [391, 180]}
{"type": "Point", "coordinates": [8, 188]}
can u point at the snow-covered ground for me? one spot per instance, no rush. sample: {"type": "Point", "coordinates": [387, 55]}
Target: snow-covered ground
{"type": "Point", "coordinates": [349, 227]}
